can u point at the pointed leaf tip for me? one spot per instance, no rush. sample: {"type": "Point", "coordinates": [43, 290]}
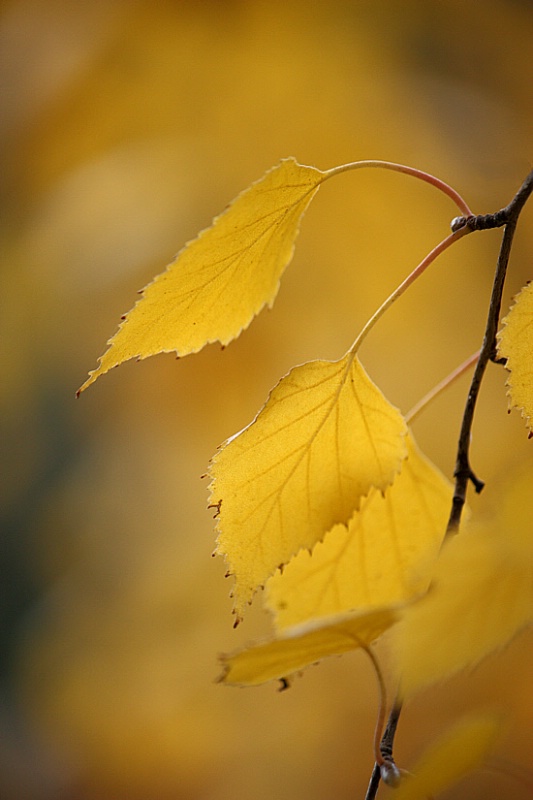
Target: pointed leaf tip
{"type": "Point", "coordinates": [222, 279]}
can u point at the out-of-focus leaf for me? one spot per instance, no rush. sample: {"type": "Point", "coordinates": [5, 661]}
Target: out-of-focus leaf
{"type": "Point", "coordinates": [325, 437]}
{"type": "Point", "coordinates": [385, 555]}
{"type": "Point", "coordinates": [460, 750]}
{"type": "Point", "coordinates": [481, 596]}
{"type": "Point", "coordinates": [299, 646]}
{"type": "Point", "coordinates": [224, 277]}
{"type": "Point", "coordinates": [516, 345]}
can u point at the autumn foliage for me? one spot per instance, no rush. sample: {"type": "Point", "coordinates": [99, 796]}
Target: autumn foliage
{"type": "Point", "coordinates": [324, 500]}
{"type": "Point", "coordinates": [126, 127]}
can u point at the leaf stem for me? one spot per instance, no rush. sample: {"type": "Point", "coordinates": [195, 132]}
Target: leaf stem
{"type": "Point", "coordinates": [380, 721]}
{"type": "Point", "coordinates": [461, 204]}
{"type": "Point", "coordinates": [440, 387]}
{"type": "Point", "coordinates": [424, 264]}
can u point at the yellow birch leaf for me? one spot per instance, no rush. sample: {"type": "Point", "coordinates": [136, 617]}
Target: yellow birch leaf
{"type": "Point", "coordinates": [302, 645]}
{"type": "Point", "coordinates": [223, 278]}
{"type": "Point", "coordinates": [325, 436]}
{"type": "Point", "coordinates": [458, 751]}
{"type": "Point", "coordinates": [481, 596]}
{"type": "Point", "coordinates": [515, 343]}
{"type": "Point", "coordinates": [384, 555]}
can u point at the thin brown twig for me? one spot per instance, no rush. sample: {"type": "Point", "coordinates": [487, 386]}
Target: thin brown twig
{"type": "Point", "coordinates": [463, 472]}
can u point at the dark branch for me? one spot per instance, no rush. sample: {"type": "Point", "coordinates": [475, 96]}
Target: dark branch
{"type": "Point", "coordinates": [508, 216]}
{"type": "Point", "coordinates": [484, 222]}
{"type": "Point", "coordinates": [481, 222]}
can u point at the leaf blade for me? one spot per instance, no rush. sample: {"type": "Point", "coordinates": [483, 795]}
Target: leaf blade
{"type": "Point", "coordinates": [325, 436]}
{"type": "Point", "coordinates": [481, 597]}
{"type": "Point", "coordinates": [384, 555]}
{"type": "Point", "coordinates": [515, 344]}
{"type": "Point", "coordinates": [222, 279]}
{"type": "Point", "coordinates": [300, 646]}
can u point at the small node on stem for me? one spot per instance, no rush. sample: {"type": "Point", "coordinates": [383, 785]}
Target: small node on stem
{"type": "Point", "coordinates": [479, 485]}
{"type": "Point", "coordinates": [457, 223]}
{"type": "Point", "coordinates": [497, 359]}
{"type": "Point", "coordinates": [390, 774]}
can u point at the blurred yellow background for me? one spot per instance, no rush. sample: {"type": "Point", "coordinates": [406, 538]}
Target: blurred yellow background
{"type": "Point", "coordinates": [125, 127]}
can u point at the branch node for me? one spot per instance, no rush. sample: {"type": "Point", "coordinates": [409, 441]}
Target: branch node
{"type": "Point", "coordinates": [390, 774]}
{"type": "Point", "coordinates": [481, 222]}
{"type": "Point", "coordinates": [479, 485]}
{"type": "Point", "coordinates": [459, 222]}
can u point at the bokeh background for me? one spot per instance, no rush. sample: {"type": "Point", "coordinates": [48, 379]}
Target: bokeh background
{"type": "Point", "coordinates": [125, 126]}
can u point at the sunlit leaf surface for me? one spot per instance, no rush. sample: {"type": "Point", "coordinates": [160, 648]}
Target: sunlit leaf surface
{"type": "Point", "coordinates": [384, 555]}
{"type": "Point", "coordinates": [325, 437]}
{"type": "Point", "coordinates": [224, 277]}
{"type": "Point", "coordinates": [516, 345]}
